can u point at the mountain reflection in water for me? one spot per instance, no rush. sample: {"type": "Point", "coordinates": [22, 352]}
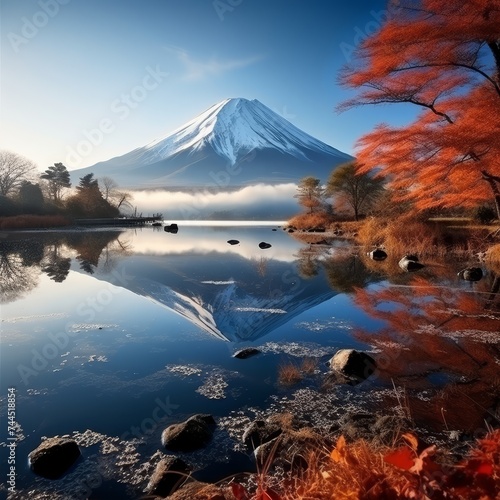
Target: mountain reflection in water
{"type": "Point", "coordinates": [235, 293]}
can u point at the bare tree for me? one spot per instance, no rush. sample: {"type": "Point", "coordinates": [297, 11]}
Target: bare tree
{"type": "Point", "coordinates": [107, 186]}
{"type": "Point", "coordinates": [111, 193]}
{"type": "Point", "coordinates": [14, 170]}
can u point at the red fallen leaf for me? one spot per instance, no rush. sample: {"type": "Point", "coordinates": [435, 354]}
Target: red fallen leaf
{"type": "Point", "coordinates": [402, 457]}
{"type": "Point", "coordinates": [267, 495]}
{"type": "Point", "coordinates": [239, 491]}
{"type": "Point", "coordinates": [479, 467]}
{"type": "Point", "coordinates": [340, 451]}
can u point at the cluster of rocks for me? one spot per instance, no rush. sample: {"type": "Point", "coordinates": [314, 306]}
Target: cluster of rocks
{"type": "Point", "coordinates": [410, 263]}
{"type": "Point", "coordinates": [278, 437]}
{"type": "Point", "coordinates": [174, 229]}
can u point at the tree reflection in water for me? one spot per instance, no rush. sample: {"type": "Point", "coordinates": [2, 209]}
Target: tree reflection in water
{"type": "Point", "coordinates": [19, 269]}
{"type": "Point", "coordinates": [441, 344]}
{"type": "Point", "coordinates": [22, 260]}
{"type": "Point", "coordinates": [92, 246]}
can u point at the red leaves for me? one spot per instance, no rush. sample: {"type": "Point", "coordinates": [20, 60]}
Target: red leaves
{"type": "Point", "coordinates": [428, 57]}
{"type": "Point", "coordinates": [403, 458]}
{"type": "Point", "coordinates": [239, 491]}
{"type": "Point", "coordinates": [479, 467]}
{"type": "Point", "coordinates": [267, 494]}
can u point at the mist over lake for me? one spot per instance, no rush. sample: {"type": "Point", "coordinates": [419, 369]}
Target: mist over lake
{"type": "Point", "coordinates": [257, 202]}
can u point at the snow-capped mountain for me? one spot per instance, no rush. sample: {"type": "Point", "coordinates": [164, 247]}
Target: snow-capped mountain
{"type": "Point", "coordinates": [235, 142]}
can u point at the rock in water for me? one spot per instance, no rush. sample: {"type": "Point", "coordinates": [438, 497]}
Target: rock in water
{"type": "Point", "coordinates": [410, 263]}
{"type": "Point", "coordinates": [264, 245]}
{"type": "Point", "coordinates": [169, 474]}
{"type": "Point", "coordinates": [189, 435]}
{"type": "Point", "coordinates": [246, 353]}
{"type": "Point", "coordinates": [471, 274]}
{"type": "Point", "coordinates": [260, 432]}
{"type": "Point", "coordinates": [54, 457]}
{"type": "Point", "coordinates": [171, 228]}
{"type": "Point", "coordinates": [377, 254]}
{"type": "Point", "coordinates": [233, 242]}
{"type": "Point", "coordinates": [353, 363]}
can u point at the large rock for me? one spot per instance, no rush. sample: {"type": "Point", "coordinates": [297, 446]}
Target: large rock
{"type": "Point", "coordinates": [260, 432]}
{"type": "Point", "coordinates": [169, 475]}
{"type": "Point", "coordinates": [54, 457]}
{"type": "Point", "coordinates": [233, 242]}
{"type": "Point", "coordinates": [190, 435]}
{"type": "Point", "coordinates": [471, 274]}
{"type": "Point", "coordinates": [353, 363]}
{"type": "Point", "coordinates": [410, 263]}
{"type": "Point", "coordinates": [171, 228]}
{"type": "Point", "coordinates": [263, 245]}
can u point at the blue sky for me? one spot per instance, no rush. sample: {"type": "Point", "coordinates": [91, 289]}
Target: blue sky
{"type": "Point", "coordinates": [86, 80]}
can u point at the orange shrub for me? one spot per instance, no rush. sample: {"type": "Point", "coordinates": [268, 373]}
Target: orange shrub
{"type": "Point", "coordinates": [309, 221]}
{"type": "Point", "coordinates": [289, 374]}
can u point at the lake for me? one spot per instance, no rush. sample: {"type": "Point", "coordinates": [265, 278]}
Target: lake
{"type": "Point", "coordinates": [109, 336]}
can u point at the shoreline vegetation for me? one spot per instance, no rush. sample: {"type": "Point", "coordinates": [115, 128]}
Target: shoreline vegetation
{"type": "Point", "coordinates": [20, 222]}
{"type": "Point", "coordinates": [363, 470]}
{"type": "Point", "coordinates": [432, 237]}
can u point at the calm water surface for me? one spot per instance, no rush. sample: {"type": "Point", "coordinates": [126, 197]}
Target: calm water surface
{"type": "Point", "coordinates": [111, 335]}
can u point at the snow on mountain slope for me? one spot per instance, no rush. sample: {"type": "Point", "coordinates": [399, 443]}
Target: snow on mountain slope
{"type": "Point", "coordinates": [232, 315]}
{"type": "Point", "coordinates": [229, 132]}
{"type": "Point", "coordinates": [236, 126]}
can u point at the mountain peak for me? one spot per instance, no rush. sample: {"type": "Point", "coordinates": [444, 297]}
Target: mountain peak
{"type": "Point", "coordinates": [226, 134]}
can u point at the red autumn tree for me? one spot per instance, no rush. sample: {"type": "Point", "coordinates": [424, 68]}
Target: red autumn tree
{"type": "Point", "coordinates": [443, 57]}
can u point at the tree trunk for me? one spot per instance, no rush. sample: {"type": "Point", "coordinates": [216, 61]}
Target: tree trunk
{"type": "Point", "coordinates": [493, 181]}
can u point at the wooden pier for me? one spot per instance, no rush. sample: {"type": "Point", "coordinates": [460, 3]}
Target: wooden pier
{"type": "Point", "coordinates": [118, 221]}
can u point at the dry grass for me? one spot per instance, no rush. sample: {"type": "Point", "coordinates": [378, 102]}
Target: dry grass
{"type": "Point", "coordinates": [360, 470]}
{"type": "Point", "coordinates": [308, 221]}
{"type": "Point", "coordinates": [348, 227]}
{"type": "Point", "coordinates": [493, 255]}
{"type": "Point", "coordinates": [407, 234]}
{"type": "Point", "coordinates": [309, 365]}
{"type": "Point", "coordinates": [33, 221]}
{"type": "Point", "coordinates": [289, 374]}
